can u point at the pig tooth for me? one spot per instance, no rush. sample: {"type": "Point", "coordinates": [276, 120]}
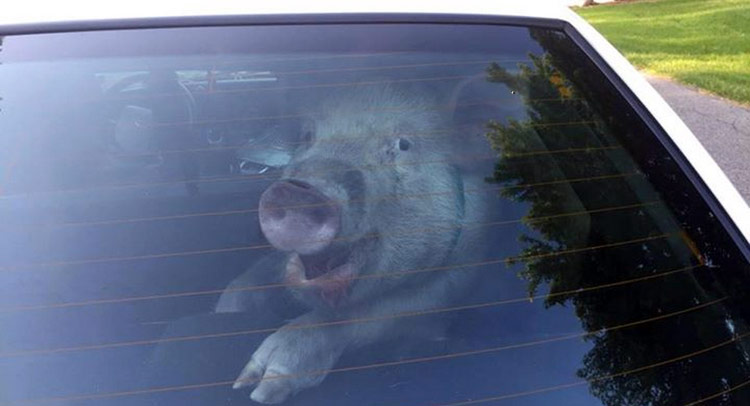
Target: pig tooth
{"type": "Point", "coordinates": [295, 269]}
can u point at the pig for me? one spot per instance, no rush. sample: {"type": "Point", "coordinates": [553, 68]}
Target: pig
{"type": "Point", "coordinates": [377, 188]}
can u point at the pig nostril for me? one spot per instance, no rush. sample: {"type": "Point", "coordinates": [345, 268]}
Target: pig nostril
{"type": "Point", "coordinates": [276, 214]}
{"type": "Point", "coordinates": [320, 215]}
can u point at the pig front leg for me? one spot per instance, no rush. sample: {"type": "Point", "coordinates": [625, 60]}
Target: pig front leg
{"type": "Point", "coordinates": [260, 290]}
{"type": "Point", "coordinates": [300, 354]}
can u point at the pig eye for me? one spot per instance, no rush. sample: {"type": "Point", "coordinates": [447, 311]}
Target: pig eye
{"type": "Point", "coordinates": [308, 133]}
{"type": "Point", "coordinates": [403, 144]}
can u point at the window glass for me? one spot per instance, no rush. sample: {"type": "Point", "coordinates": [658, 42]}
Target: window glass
{"type": "Point", "coordinates": [350, 214]}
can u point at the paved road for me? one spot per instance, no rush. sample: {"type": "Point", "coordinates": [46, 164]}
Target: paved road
{"type": "Point", "coordinates": [722, 127]}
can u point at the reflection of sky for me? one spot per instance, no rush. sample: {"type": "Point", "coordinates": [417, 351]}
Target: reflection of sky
{"type": "Point", "coordinates": [219, 359]}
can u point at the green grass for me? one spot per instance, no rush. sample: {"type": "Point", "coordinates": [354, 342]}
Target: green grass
{"type": "Point", "coordinates": [705, 43]}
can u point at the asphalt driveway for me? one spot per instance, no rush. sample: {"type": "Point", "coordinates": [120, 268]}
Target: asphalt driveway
{"type": "Point", "coordinates": [723, 127]}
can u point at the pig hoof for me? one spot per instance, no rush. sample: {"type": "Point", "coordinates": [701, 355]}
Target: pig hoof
{"type": "Point", "coordinates": [289, 361]}
{"type": "Point", "coordinates": [272, 391]}
{"type": "Point", "coordinates": [249, 376]}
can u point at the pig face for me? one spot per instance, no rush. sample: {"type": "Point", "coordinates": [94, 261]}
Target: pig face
{"type": "Point", "coordinates": [372, 190]}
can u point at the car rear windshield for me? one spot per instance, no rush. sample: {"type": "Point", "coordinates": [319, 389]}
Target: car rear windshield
{"type": "Point", "coordinates": [351, 214]}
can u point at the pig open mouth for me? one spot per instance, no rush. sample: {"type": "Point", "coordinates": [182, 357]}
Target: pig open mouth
{"type": "Point", "coordinates": [332, 261]}
{"type": "Point", "coordinates": [330, 273]}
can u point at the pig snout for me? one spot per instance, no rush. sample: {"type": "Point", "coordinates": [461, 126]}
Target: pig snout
{"type": "Point", "coordinates": [295, 216]}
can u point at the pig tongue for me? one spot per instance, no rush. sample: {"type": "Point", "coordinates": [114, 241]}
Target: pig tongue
{"type": "Point", "coordinates": [337, 284]}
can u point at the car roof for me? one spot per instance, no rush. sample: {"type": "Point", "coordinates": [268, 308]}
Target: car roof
{"type": "Point", "coordinates": [38, 11]}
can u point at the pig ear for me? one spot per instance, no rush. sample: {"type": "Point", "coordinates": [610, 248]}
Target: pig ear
{"type": "Point", "coordinates": [458, 177]}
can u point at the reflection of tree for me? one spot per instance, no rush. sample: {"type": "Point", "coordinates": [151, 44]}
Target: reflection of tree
{"type": "Point", "coordinates": [553, 88]}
